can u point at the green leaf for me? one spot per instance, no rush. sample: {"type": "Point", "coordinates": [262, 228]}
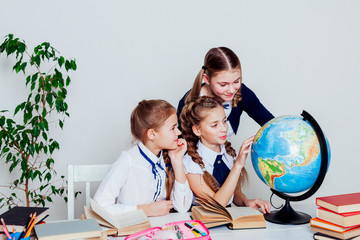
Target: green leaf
{"type": "Point", "coordinates": [61, 124]}
{"type": "Point", "coordinates": [8, 157]}
{"type": "Point", "coordinates": [2, 121]}
{"type": "Point", "coordinates": [28, 80]}
{"type": "Point", "coordinates": [67, 65]}
{"type": "Point", "coordinates": [37, 60]}
{"type": "Point", "coordinates": [44, 136]}
{"type": "Point", "coordinates": [34, 77]}
{"type": "Point", "coordinates": [73, 65]}
{"type": "Point", "coordinates": [49, 99]}
{"type": "Point", "coordinates": [37, 98]}
{"type": "Point", "coordinates": [61, 61]}
{"type": "Point", "coordinates": [36, 131]}
{"type": "Point", "coordinates": [17, 109]}
{"type": "Point", "coordinates": [68, 80]}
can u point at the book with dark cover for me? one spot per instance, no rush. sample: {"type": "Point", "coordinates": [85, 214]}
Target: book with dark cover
{"type": "Point", "coordinates": [354, 232]}
{"type": "Point", "coordinates": [321, 236]}
{"type": "Point", "coordinates": [18, 216]}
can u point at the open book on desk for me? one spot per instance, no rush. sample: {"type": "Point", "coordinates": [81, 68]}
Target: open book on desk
{"type": "Point", "coordinates": [212, 214]}
{"type": "Point", "coordinates": [122, 225]}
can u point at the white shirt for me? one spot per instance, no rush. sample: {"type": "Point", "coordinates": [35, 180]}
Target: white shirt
{"type": "Point", "coordinates": [208, 157]}
{"type": "Point", "coordinates": [130, 182]}
{"type": "Point", "coordinates": [227, 108]}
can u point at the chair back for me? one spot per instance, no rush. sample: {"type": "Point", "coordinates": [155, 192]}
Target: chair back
{"type": "Point", "coordinates": [87, 174]}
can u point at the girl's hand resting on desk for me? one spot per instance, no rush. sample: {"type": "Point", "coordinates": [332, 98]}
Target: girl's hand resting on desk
{"type": "Point", "coordinates": [244, 151]}
{"type": "Point", "coordinates": [258, 203]}
{"type": "Point", "coordinates": [158, 208]}
{"type": "Point", "coordinates": [176, 155]}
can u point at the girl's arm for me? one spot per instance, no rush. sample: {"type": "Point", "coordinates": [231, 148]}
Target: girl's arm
{"type": "Point", "coordinates": [110, 187]}
{"type": "Point", "coordinates": [181, 193]}
{"type": "Point", "coordinates": [224, 194]}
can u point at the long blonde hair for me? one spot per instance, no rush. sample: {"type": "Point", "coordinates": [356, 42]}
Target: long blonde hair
{"type": "Point", "coordinates": [151, 114]}
{"type": "Point", "coordinates": [192, 115]}
{"type": "Point", "coordinates": [216, 60]}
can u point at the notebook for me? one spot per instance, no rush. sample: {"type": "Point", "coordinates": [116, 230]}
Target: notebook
{"type": "Point", "coordinates": [68, 230]}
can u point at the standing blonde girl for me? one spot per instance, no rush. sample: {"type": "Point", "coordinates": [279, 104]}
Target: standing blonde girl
{"type": "Point", "coordinates": [221, 77]}
{"type": "Point", "coordinates": [211, 164]}
{"type": "Point", "coordinates": [150, 175]}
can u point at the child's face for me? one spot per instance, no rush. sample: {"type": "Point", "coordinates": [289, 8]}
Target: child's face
{"type": "Point", "coordinates": [167, 134]}
{"type": "Point", "coordinates": [224, 84]}
{"type": "Point", "coordinates": [213, 128]}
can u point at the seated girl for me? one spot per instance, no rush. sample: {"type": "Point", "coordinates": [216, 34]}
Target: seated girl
{"type": "Point", "coordinates": [150, 175]}
{"type": "Point", "coordinates": [211, 164]}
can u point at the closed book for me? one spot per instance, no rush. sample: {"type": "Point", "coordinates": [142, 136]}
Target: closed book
{"type": "Point", "coordinates": [343, 219]}
{"type": "Point", "coordinates": [344, 235]}
{"type": "Point", "coordinates": [317, 222]}
{"type": "Point", "coordinates": [341, 203]}
{"type": "Point", "coordinates": [17, 217]}
{"type": "Point", "coordinates": [212, 214]}
{"type": "Point", "coordinates": [321, 236]}
{"type": "Point", "coordinates": [68, 230]}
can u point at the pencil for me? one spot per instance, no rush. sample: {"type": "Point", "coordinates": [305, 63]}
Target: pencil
{"type": "Point", "coordinates": [25, 227]}
{"type": "Point", "coordinates": [5, 229]}
{"type": "Point", "coordinates": [30, 227]}
{"type": "Point", "coordinates": [6, 232]}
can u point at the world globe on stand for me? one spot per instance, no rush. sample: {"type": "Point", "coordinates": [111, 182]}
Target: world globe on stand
{"type": "Point", "coordinates": [287, 156]}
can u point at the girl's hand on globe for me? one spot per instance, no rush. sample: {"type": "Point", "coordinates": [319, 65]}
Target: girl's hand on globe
{"type": "Point", "coordinates": [258, 203]}
{"type": "Point", "coordinates": [244, 151]}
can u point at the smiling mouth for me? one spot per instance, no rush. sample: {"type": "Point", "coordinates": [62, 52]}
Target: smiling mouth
{"type": "Point", "coordinates": [223, 137]}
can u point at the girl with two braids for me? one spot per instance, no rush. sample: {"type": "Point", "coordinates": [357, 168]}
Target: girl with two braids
{"type": "Point", "coordinates": [150, 175]}
{"type": "Point", "coordinates": [211, 164]}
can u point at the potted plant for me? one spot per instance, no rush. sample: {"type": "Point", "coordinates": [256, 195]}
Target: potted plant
{"type": "Point", "coordinates": [26, 145]}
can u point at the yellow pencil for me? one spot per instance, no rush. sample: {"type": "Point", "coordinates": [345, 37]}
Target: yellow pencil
{"type": "Point", "coordinates": [30, 228]}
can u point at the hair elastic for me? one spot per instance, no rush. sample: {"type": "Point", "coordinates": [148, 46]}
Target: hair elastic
{"type": "Point", "coordinates": [204, 68]}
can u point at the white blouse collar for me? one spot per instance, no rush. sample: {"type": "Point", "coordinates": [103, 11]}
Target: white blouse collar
{"type": "Point", "coordinates": [150, 155]}
{"type": "Point", "coordinates": [209, 155]}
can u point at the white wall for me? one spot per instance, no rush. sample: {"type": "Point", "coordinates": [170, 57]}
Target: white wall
{"type": "Point", "coordinates": [296, 55]}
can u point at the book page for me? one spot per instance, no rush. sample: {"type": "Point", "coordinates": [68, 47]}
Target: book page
{"type": "Point", "coordinates": [90, 214]}
{"type": "Point", "coordinates": [239, 212]}
{"type": "Point", "coordinates": [120, 221]}
{"type": "Point", "coordinates": [211, 204]}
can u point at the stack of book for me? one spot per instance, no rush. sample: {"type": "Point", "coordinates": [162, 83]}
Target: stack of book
{"type": "Point", "coordinates": [338, 217]}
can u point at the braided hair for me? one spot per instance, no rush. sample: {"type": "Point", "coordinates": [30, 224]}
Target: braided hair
{"type": "Point", "coordinates": [192, 115]}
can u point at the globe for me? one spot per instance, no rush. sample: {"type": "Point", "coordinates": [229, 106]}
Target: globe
{"type": "Point", "coordinates": [286, 154]}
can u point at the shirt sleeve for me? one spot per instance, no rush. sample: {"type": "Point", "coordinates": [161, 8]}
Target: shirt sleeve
{"type": "Point", "coordinates": [190, 166]}
{"type": "Point", "coordinates": [181, 196]}
{"type": "Point", "coordinates": [253, 107]}
{"type": "Point", "coordinates": [110, 187]}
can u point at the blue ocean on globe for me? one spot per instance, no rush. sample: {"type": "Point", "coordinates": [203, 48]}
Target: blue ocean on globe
{"type": "Point", "coordinates": [286, 154]}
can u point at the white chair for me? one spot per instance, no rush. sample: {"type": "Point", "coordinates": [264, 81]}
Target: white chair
{"type": "Point", "coordinates": [87, 174]}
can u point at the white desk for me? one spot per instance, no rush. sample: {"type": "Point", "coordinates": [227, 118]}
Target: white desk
{"type": "Point", "coordinates": [271, 232]}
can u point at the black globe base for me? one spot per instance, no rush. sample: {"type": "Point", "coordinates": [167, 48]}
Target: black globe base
{"type": "Point", "coordinates": [287, 215]}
